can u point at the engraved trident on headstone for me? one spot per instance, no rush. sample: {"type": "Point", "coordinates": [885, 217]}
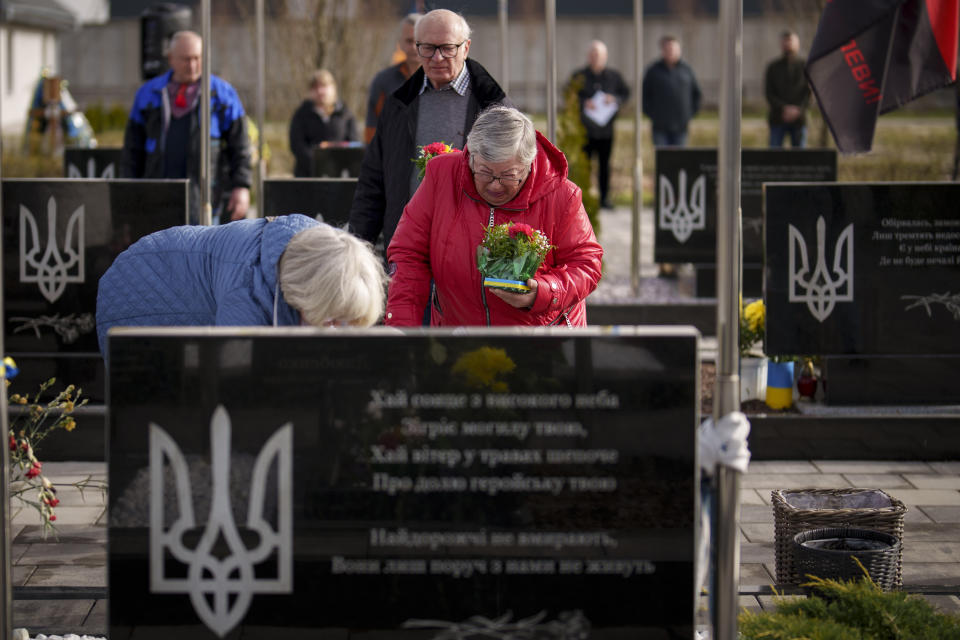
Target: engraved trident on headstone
{"type": "Point", "coordinates": [681, 215]}
{"type": "Point", "coordinates": [109, 171]}
{"type": "Point", "coordinates": [823, 288]}
{"type": "Point", "coordinates": [52, 272]}
{"type": "Point", "coordinates": [211, 581]}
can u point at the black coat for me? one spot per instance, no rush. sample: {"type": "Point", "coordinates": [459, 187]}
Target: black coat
{"type": "Point", "coordinates": [785, 83]}
{"type": "Point", "coordinates": [671, 97]}
{"type": "Point", "coordinates": [383, 187]}
{"type": "Point", "coordinates": [307, 130]}
{"type": "Point", "coordinates": [608, 81]}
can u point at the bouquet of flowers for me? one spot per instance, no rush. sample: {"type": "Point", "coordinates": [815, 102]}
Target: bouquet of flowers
{"type": "Point", "coordinates": [510, 254]}
{"type": "Point", "coordinates": [429, 151]}
{"type": "Point", "coordinates": [752, 318]}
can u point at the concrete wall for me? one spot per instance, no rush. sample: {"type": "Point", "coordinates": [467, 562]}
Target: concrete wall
{"type": "Point", "coordinates": [25, 53]}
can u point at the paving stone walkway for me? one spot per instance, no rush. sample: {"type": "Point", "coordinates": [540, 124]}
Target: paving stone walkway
{"type": "Point", "coordinates": [931, 556]}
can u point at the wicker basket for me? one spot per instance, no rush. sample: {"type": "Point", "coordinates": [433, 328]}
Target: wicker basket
{"type": "Point", "coordinates": [829, 553]}
{"type": "Point", "coordinates": [796, 510]}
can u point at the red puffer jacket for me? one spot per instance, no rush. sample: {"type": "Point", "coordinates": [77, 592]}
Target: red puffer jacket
{"type": "Point", "coordinates": [443, 224]}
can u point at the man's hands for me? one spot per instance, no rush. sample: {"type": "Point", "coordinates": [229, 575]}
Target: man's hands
{"type": "Point", "coordinates": [791, 112]}
{"type": "Point", "coordinates": [239, 203]}
{"type": "Point", "coordinates": [518, 300]}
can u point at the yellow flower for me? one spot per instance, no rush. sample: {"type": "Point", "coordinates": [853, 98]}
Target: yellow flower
{"type": "Point", "coordinates": [69, 424]}
{"type": "Point", "coordinates": [755, 315]}
{"type": "Point", "coordinates": [482, 366]}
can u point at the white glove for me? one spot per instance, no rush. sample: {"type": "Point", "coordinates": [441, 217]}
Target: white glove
{"type": "Point", "coordinates": [725, 443]}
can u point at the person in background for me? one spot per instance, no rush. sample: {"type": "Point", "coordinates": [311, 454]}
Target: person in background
{"type": "Point", "coordinates": [162, 138]}
{"type": "Point", "coordinates": [438, 103]}
{"type": "Point", "coordinates": [507, 172]}
{"type": "Point", "coordinates": [390, 79]}
{"type": "Point", "coordinates": [282, 271]}
{"type": "Point", "coordinates": [607, 85]}
{"type": "Point", "coordinates": [671, 95]}
{"type": "Point", "coordinates": [788, 94]}
{"type": "Point", "coordinates": [322, 117]}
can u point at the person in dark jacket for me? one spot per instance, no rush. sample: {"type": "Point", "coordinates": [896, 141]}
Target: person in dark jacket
{"type": "Point", "coordinates": [600, 84]}
{"type": "Point", "coordinates": [162, 138]}
{"type": "Point", "coordinates": [437, 103]}
{"type": "Point", "coordinates": [283, 271]}
{"type": "Point", "coordinates": [389, 80]}
{"type": "Point", "coordinates": [671, 95]}
{"type": "Point", "coordinates": [788, 94]}
{"type": "Point", "coordinates": [507, 173]}
{"type": "Point", "coordinates": [321, 118]}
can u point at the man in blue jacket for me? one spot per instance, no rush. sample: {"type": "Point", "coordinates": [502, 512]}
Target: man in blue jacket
{"type": "Point", "coordinates": [162, 139]}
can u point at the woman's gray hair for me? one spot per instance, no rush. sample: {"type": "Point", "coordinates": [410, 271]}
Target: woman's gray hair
{"type": "Point", "coordinates": [327, 275]}
{"type": "Point", "coordinates": [502, 134]}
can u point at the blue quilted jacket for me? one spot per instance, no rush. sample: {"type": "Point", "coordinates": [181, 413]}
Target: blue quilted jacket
{"type": "Point", "coordinates": [200, 276]}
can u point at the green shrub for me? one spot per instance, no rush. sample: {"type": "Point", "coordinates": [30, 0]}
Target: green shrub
{"type": "Point", "coordinates": [855, 610]}
{"type": "Point", "coordinates": [571, 137]}
{"type": "Point", "coordinates": [103, 118]}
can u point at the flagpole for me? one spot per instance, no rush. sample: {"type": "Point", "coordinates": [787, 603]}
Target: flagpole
{"type": "Point", "coordinates": [261, 108]}
{"type": "Point", "coordinates": [504, 46]}
{"type": "Point", "coordinates": [638, 147]}
{"type": "Point", "coordinates": [206, 216]}
{"type": "Point", "coordinates": [6, 556]}
{"type": "Point", "coordinates": [551, 11]}
{"type": "Point", "coordinates": [727, 390]}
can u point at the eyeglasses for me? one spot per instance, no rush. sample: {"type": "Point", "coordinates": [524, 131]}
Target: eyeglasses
{"type": "Point", "coordinates": [446, 50]}
{"type": "Point", "coordinates": [488, 178]}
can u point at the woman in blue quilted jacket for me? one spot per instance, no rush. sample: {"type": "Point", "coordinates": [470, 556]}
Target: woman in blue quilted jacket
{"type": "Point", "coordinates": [283, 271]}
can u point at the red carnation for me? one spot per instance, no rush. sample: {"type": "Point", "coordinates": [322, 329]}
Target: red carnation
{"type": "Point", "coordinates": [435, 148]}
{"type": "Point", "coordinates": [519, 227]}
{"type": "Point", "coordinates": [13, 443]}
{"type": "Point", "coordinates": [33, 471]}
{"type": "Point", "coordinates": [52, 517]}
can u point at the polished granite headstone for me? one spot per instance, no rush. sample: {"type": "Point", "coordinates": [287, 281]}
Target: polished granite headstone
{"type": "Point", "coordinates": [863, 269]}
{"type": "Point", "coordinates": [59, 236]}
{"type": "Point", "coordinates": [266, 482]}
{"type": "Point", "coordinates": [326, 199]}
{"type": "Point", "coordinates": [685, 197]}
{"type": "Point", "coordinates": [337, 162]}
{"type": "Point", "coordinates": [100, 162]}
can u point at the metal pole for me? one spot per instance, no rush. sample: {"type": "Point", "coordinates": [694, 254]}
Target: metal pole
{"type": "Point", "coordinates": [207, 214]}
{"type": "Point", "coordinates": [6, 557]}
{"type": "Point", "coordinates": [551, 11]}
{"type": "Point", "coordinates": [504, 47]}
{"type": "Point", "coordinates": [727, 392]}
{"type": "Point", "coordinates": [261, 108]}
{"type": "Point", "coordinates": [638, 146]}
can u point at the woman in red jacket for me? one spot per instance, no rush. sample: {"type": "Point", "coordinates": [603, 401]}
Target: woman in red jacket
{"type": "Point", "coordinates": [507, 172]}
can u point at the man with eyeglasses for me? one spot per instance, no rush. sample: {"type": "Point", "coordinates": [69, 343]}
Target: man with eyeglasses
{"type": "Point", "coordinates": [439, 102]}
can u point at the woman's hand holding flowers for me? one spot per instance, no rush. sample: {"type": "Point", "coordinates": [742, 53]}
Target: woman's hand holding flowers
{"type": "Point", "coordinates": [519, 300]}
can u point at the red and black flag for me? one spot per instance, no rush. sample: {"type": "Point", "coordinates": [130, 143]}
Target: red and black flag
{"type": "Point", "coordinates": [872, 56]}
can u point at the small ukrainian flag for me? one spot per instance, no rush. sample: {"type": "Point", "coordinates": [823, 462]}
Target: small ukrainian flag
{"type": "Point", "coordinates": [515, 285]}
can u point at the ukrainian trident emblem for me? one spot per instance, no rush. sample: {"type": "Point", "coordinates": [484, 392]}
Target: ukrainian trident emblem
{"type": "Point", "coordinates": [821, 287]}
{"type": "Point", "coordinates": [221, 575]}
{"type": "Point", "coordinates": [52, 270]}
{"type": "Point", "coordinates": [678, 213]}
{"type": "Point", "coordinates": [109, 171]}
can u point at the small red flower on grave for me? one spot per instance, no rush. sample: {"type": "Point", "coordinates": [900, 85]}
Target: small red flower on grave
{"type": "Point", "coordinates": [52, 501]}
{"type": "Point", "coordinates": [52, 517]}
{"type": "Point", "coordinates": [34, 471]}
{"type": "Point", "coordinates": [519, 227]}
{"type": "Point", "coordinates": [13, 443]}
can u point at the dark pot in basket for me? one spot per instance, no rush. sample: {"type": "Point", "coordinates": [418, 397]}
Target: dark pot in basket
{"type": "Point", "coordinates": [828, 553]}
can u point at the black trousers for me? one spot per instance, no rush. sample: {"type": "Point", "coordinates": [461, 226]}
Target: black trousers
{"type": "Point", "coordinates": [602, 148]}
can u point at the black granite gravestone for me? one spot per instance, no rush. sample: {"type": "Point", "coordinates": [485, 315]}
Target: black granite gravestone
{"type": "Point", "coordinates": [326, 199]}
{"type": "Point", "coordinates": [685, 204]}
{"type": "Point", "coordinates": [270, 482]}
{"type": "Point", "coordinates": [59, 236]}
{"type": "Point", "coordinates": [867, 270]}
{"type": "Point", "coordinates": [338, 162]}
{"type": "Point", "coordinates": [101, 162]}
